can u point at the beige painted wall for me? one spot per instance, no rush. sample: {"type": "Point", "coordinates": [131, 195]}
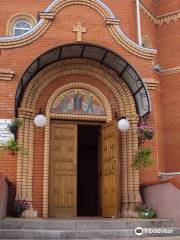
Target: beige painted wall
{"type": "Point", "coordinates": [164, 199]}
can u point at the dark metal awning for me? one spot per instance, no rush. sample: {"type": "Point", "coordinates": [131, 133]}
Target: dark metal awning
{"type": "Point", "coordinates": [97, 53]}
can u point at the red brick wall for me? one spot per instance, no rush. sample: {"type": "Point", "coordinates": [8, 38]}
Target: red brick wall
{"type": "Point", "coordinates": [165, 102]}
{"type": "Point", "coordinates": [22, 6]}
{"type": "Point", "coordinates": [127, 18]}
{"type": "Point", "coordinates": [151, 4]}
{"type": "Point", "coordinates": [149, 29]}
{"type": "Point", "coordinates": [171, 120]}
{"type": "Point", "coordinates": [167, 6]}
{"type": "Point", "coordinates": [11, 7]}
{"type": "Point", "coordinates": [168, 45]}
{"type": "Point", "coordinates": [39, 133]}
{"type": "Point", "coordinates": [8, 169]}
{"type": "Point", "coordinates": [169, 57]}
{"type": "Point", "coordinates": [156, 144]}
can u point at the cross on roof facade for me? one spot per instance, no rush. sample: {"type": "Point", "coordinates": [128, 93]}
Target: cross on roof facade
{"type": "Point", "coordinates": [79, 29]}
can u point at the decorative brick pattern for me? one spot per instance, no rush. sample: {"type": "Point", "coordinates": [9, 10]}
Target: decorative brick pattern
{"type": "Point", "coordinates": [112, 21]}
{"type": "Point", "coordinates": [6, 75]}
{"type": "Point", "coordinates": [19, 17]}
{"type": "Point", "coordinates": [49, 15]}
{"type": "Point", "coordinates": [126, 105]}
{"type": "Point", "coordinates": [168, 18]}
{"type": "Point", "coordinates": [52, 31]}
{"type": "Point", "coordinates": [29, 37]}
{"type": "Point", "coordinates": [151, 84]}
{"type": "Point", "coordinates": [146, 41]}
{"type": "Point", "coordinates": [162, 19]}
{"type": "Point", "coordinates": [79, 30]}
{"type": "Point", "coordinates": [102, 9]}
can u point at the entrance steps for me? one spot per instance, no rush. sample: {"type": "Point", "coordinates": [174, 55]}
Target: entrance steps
{"type": "Point", "coordinates": [85, 228]}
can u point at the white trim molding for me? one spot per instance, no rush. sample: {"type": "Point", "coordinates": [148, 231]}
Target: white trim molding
{"type": "Point", "coordinates": [6, 74]}
{"type": "Point", "coordinates": [152, 84]}
{"type": "Point", "coordinates": [138, 17]}
{"type": "Point", "coordinates": [170, 71]}
{"type": "Point", "coordinates": [57, 5]}
{"type": "Point", "coordinates": [169, 174]}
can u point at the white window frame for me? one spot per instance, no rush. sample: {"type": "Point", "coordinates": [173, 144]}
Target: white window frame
{"type": "Point", "coordinates": [18, 28]}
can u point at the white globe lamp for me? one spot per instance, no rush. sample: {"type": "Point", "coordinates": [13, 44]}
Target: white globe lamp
{"type": "Point", "coordinates": [123, 124]}
{"type": "Point", "coordinates": [40, 120]}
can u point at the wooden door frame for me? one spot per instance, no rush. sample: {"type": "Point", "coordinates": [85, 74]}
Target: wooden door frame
{"type": "Point", "coordinates": [91, 123]}
{"type": "Point", "coordinates": [118, 169]}
{"type": "Point", "coordinates": [78, 122]}
{"type": "Point", "coordinates": [74, 163]}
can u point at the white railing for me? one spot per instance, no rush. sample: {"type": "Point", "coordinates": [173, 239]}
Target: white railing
{"type": "Point", "coordinates": [171, 174]}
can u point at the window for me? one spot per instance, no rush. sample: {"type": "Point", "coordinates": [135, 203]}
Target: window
{"type": "Point", "coordinates": [20, 23]}
{"type": "Point", "coordinates": [146, 42]}
{"type": "Point", "coordinates": [21, 27]}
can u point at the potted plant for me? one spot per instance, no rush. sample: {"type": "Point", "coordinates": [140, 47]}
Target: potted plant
{"type": "Point", "coordinates": [145, 132]}
{"type": "Point", "coordinates": [145, 212]}
{"type": "Point", "coordinates": [20, 205]}
{"type": "Point", "coordinates": [14, 126]}
{"type": "Point", "coordinates": [143, 158]}
{"type": "Point", "coordinates": [13, 146]}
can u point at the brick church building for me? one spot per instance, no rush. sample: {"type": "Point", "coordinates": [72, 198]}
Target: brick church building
{"type": "Point", "coordinates": [86, 64]}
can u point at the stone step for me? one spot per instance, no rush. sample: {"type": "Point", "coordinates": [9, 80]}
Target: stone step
{"type": "Point", "coordinates": [161, 238]}
{"type": "Point", "coordinates": [174, 238]}
{"type": "Point", "coordinates": [146, 238]}
{"type": "Point", "coordinates": [110, 239]}
{"type": "Point", "coordinates": [77, 234]}
{"type": "Point", "coordinates": [90, 224]}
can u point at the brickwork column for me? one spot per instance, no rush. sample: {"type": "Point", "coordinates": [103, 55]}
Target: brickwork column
{"type": "Point", "coordinates": [25, 158]}
{"type": "Point", "coordinates": [130, 176]}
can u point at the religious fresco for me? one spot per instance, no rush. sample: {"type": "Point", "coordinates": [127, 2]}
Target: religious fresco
{"type": "Point", "coordinates": [78, 101]}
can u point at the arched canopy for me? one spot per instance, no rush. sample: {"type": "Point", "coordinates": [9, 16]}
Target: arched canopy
{"type": "Point", "coordinates": [97, 53]}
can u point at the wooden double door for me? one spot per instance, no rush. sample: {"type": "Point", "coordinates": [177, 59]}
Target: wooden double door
{"type": "Point", "coordinates": [84, 170]}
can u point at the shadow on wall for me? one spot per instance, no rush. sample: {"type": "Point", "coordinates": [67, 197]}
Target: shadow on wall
{"type": "Point", "coordinates": [3, 197]}
{"type": "Point", "coordinates": [164, 199]}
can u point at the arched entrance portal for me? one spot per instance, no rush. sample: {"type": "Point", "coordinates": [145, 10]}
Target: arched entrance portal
{"type": "Point", "coordinates": [83, 160]}
{"type": "Point", "coordinates": [114, 83]}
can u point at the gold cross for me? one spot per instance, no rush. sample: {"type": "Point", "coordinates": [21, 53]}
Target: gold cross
{"type": "Point", "coordinates": [80, 30]}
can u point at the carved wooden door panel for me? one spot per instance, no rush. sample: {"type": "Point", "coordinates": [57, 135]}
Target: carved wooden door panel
{"type": "Point", "coordinates": [63, 170]}
{"type": "Point", "coordinates": [110, 169]}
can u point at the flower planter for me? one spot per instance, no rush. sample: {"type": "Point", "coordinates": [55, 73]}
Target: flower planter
{"type": "Point", "coordinates": [145, 132]}
{"type": "Point", "coordinates": [20, 205]}
{"type": "Point", "coordinates": [18, 213]}
{"type": "Point", "coordinates": [147, 213]}
{"type": "Point", "coordinates": [148, 135]}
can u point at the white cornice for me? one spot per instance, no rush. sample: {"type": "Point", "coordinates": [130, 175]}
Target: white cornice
{"type": "Point", "coordinates": [169, 17]}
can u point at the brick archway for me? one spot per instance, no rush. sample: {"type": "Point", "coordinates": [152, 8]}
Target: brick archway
{"type": "Point", "coordinates": [126, 106]}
